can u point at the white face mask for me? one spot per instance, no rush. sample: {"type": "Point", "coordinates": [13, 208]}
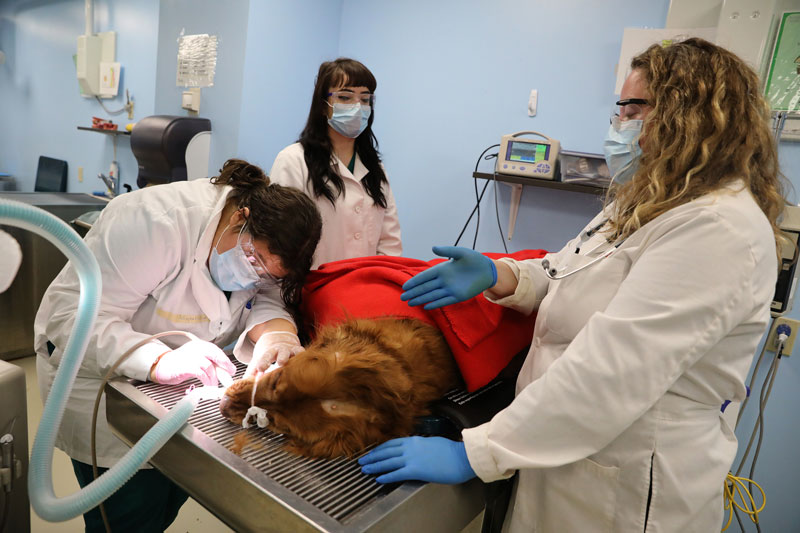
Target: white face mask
{"type": "Point", "coordinates": [350, 119]}
{"type": "Point", "coordinates": [622, 150]}
{"type": "Point", "coordinates": [231, 270]}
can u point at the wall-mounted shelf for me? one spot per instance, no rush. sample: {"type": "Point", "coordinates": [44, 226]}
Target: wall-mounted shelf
{"type": "Point", "coordinates": [107, 132]}
{"type": "Point", "coordinates": [547, 184]}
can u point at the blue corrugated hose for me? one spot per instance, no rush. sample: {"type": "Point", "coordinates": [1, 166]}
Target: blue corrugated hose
{"type": "Point", "coordinates": [40, 475]}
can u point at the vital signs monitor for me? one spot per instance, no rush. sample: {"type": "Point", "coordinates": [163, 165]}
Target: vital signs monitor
{"type": "Point", "coordinates": [532, 158]}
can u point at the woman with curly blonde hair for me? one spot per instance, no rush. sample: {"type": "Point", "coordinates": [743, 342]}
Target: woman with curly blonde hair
{"type": "Point", "coordinates": [647, 321]}
{"type": "Point", "coordinates": [707, 127]}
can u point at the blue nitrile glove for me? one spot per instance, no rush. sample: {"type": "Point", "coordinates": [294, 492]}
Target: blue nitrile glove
{"type": "Point", "coordinates": [433, 459]}
{"type": "Point", "coordinates": [467, 275]}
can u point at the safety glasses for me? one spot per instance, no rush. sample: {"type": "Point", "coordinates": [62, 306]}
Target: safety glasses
{"type": "Point", "coordinates": [629, 109]}
{"type": "Point", "coordinates": [245, 241]}
{"type": "Point", "coordinates": [349, 97]}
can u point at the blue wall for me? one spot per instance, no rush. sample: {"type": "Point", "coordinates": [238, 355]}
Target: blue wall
{"type": "Point", "coordinates": [286, 43]}
{"type": "Point", "coordinates": [41, 107]}
{"type": "Point", "coordinates": [453, 76]}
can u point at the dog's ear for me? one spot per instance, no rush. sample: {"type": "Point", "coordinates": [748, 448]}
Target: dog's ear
{"type": "Point", "coordinates": [350, 409]}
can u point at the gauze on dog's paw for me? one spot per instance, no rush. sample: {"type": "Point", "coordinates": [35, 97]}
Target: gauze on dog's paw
{"type": "Point", "coordinates": [259, 413]}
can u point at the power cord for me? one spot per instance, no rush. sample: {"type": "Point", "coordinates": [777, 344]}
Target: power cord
{"type": "Point", "coordinates": [478, 198]}
{"type": "Point", "coordinates": [753, 377]}
{"type": "Point", "coordinates": [128, 107]}
{"type": "Point", "coordinates": [734, 487]}
{"type": "Point", "coordinates": [783, 331]}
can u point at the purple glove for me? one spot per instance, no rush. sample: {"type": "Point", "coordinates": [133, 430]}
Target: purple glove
{"type": "Point", "coordinates": [195, 359]}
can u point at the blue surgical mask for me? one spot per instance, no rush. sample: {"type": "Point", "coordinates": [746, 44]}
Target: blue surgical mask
{"type": "Point", "coordinates": [231, 270]}
{"type": "Point", "coordinates": [350, 119]}
{"type": "Point", "coordinates": [622, 149]}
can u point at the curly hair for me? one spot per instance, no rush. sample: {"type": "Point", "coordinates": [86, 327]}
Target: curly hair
{"type": "Point", "coordinates": [709, 126]}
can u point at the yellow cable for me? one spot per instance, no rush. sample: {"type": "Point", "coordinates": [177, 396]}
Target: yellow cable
{"type": "Point", "coordinates": [737, 487]}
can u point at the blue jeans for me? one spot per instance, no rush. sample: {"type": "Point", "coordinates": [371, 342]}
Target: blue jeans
{"type": "Point", "coordinates": [148, 502]}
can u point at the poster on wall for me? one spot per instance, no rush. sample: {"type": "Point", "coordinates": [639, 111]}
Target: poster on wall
{"type": "Point", "coordinates": [783, 79]}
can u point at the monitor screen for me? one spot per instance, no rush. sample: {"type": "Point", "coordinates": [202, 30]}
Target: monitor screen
{"type": "Point", "coordinates": [51, 175]}
{"type": "Point", "coordinates": [527, 152]}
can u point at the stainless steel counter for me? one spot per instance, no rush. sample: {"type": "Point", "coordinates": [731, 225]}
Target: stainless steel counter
{"type": "Point", "coordinates": [268, 489]}
{"type": "Point", "coordinates": [41, 262]}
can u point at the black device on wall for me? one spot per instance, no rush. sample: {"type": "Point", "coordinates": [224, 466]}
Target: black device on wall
{"type": "Point", "coordinates": [159, 143]}
{"type": "Point", "coordinates": [789, 253]}
{"type": "Point", "coordinates": [51, 175]}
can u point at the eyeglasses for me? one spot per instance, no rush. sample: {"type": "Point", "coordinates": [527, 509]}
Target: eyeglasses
{"type": "Point", "coordinates": [629, 108]}
{"type": "Point", "coordinates": [349, 97]}
{"type": "Point", "coordinates": [249, 249]}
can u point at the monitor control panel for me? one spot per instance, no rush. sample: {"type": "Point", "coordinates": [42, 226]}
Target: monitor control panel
{"type": "Point", "coordinates": [525, 156]}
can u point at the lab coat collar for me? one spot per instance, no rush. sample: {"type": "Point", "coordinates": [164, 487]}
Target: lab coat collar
{"type": "Point", "coordinates": [359, 170]}
{"type": "Point", "coordinates": [204, 244]}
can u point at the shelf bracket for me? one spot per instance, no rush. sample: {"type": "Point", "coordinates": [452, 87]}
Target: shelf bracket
{"type": "Point", "coordinates": [516, 196]}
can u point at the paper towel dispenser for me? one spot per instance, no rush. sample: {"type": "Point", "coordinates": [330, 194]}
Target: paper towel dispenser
{"type": "Point", "coordinates": [164, 145]}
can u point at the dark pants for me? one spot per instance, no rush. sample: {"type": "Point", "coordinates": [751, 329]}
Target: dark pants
{"type": "Point", "coordinates": [148, 502]}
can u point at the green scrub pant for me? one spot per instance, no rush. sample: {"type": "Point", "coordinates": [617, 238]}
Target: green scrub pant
{"type": "Point", "coordinates": [147, 503]}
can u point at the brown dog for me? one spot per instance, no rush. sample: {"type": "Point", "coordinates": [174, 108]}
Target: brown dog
{"type": "Point", "coordinates": [359, 383]}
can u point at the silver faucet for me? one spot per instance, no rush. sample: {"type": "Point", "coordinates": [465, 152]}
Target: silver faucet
{"type": "Point", "coordinates": [111, 184]}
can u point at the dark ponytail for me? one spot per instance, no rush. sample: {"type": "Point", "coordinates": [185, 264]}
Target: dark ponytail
{"type": "Point", "coordinates": [285, 218]}
{"type": "Point", "coordinates": [241, 175]}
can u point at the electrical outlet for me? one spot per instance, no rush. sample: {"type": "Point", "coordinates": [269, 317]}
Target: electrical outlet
{"type": "Point", "coordinates": [80, 174]}
{"type": "Point", "coordinates": [772, 343]}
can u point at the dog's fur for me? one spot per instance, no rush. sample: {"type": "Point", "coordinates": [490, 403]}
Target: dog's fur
{"type": "Point", "coordinates": [359, 383]}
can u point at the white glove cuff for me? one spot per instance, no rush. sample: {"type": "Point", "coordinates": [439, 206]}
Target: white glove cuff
{"type": "Point", "coordinates": [281, 335]}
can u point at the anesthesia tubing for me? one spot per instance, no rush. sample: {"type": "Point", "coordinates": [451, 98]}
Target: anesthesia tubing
{"type": "Point", "coordinates": [40, 473]}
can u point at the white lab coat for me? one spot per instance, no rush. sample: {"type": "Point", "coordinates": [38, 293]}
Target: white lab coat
{"type": "Point", "coordinates": [631, 359]}
{"type": "Point", "coordinates": [355, 226]}
{"type": "Point", "coordinates": [152, 246]}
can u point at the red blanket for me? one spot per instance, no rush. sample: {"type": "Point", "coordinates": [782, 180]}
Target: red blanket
{"type": "Point", "coordinates": [482, 336]}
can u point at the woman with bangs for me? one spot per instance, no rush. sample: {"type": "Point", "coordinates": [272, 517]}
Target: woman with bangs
{"type": "Point", "coordinates": [337, 164]}
{"type": "Point", "coordinates": [648, 320]}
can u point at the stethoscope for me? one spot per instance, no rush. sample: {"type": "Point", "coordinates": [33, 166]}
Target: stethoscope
{"type": "Point", "coordinates": [552, 272]}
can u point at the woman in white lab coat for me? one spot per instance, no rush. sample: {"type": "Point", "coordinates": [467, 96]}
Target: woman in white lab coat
{"type": "Point", "coordinates": [336, 162]}
{"type": "Point", "coordinates": [223, 259]}
{"type": "Point", "coordinates": [647, 321]}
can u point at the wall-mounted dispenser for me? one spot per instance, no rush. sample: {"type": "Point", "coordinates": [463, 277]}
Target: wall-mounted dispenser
{"type": "Point", "coordinates": [94, 50]}
{"type": "Point", "coordinates": [171, 148]}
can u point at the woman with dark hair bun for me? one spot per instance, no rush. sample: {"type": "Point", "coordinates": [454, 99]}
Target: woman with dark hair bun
{"type": "Point", "coordinates": [223, 259]}
{"type": "Point", "coordinates": [336, 162]}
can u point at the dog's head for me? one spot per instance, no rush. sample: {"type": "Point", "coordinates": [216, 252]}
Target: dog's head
{"type": "Point", "coordinates": [335, 398]}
